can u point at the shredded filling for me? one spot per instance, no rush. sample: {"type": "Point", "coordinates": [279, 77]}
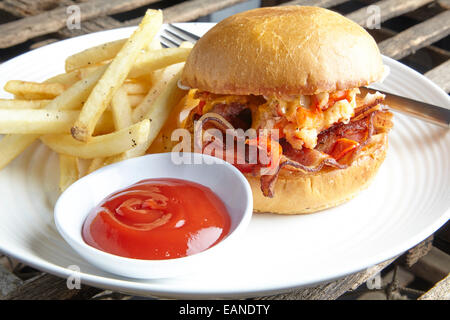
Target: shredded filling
{"type": "Point", "coordinates": [326, 129]}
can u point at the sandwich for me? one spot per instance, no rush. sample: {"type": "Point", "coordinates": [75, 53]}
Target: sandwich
{"type": "Point", "coordinates": [297, 70]}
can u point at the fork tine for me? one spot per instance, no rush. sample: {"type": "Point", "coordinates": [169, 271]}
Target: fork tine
{"type": "Point", "coordinates": [184, 32]}
{"type": "Point", "coordinates": [173, 34]}
{"type": "Point", "coordinates": [169, 42]}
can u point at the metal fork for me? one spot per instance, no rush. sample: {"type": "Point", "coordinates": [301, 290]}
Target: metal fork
{"type": "Point", "coordinates": [172, 36]}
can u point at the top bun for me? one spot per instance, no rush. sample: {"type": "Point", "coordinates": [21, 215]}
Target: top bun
{"type": "Point", "coordinates": [283, 51]}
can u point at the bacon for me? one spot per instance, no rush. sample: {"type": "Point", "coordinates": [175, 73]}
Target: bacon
{"type": "Point", "coordinates": [369, 104]}
{"type": "Point", "coordinates": [237, 114]}
{"type": "Point", "coordinates": [359, 131]}
{"type": "Point", "coordinates": [313, 160]}
{"type": "Point", "coordinates": [337, 146]}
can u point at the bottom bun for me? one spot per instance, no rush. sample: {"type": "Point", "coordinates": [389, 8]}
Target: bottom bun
{"type": "Point", "coordinates": [297, 192]}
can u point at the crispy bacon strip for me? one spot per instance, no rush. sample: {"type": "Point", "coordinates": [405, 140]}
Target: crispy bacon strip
{"type": "Point", "coordinates": [308, 160]}
{"type": "Point", "coordinates": [369, 104]}
{"type": "Point", "coordinates": [320, 160]}
{"type": "Point", "coordinates": [368, 120]}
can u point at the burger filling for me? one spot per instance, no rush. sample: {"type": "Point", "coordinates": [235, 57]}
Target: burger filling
{"type": "Point", "coordinates": [325, 129]}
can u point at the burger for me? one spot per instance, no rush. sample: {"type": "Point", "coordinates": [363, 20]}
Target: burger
{"type": "Point", "coordinates": [297, 70]}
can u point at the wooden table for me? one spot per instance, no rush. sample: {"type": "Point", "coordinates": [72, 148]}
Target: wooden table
{"type": "Point", "coordinates": [28, 24]}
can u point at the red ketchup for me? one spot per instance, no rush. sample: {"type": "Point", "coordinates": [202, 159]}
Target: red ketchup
{"type": "Point", "coordinates": [158, 219]}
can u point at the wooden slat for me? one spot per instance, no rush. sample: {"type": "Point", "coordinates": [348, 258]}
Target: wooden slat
{"type": "Point", "coordinates": [49, 287]}
{"type": "Point", "coordinates": [8, 282]}
{"type": "Point", "coordinates": [189, 10]}
{"type": "Point", "coordinates": [89, 26]}
{"type": "Point", "coordinates": [444, 4]}
{"type": "Point", "coordinates": [21, 9]}
{"type": "Point", "coordinates": [317, 3]}
{"type": "Point", "coordinates": [24, 8]}
{"type": "Point", "coordinates": [388, 9]}
{"type": "Point", "coordinates": [433, 267]}
{"type": "Point", "coordinates": [332, 290]}
{"type": "Point", "coordinates": [440, 291]}
{"type": "Point", "coordinates": [417, 37]}
{"type": "Point", "coordinates": [419, 251]}
{"type": "Point", "coordinates": [51, 21]}
{"type": "Point", "coordinates": [43, 43]}
{"type": "Point", "coordinates": [388, 33]}
{"type": "Point", "coordinates": [441, 76]}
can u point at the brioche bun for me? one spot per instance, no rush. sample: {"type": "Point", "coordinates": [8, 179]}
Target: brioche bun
{"type": "Point", "coordinates": [296, 192]}
{"type": "Point", "coordinates": [280, 51]}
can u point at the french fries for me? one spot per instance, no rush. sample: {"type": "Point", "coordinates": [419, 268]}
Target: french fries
{"type": "Point", "coordinates": [115, 75]}
{"type": "Point", "coordinates": [73, 98]}
{"type": "Point", "coordinates": [34, 90]}
{"type": "Point", "coordinates": [66, 79]}
{"type": "Point", "coordinates": [108, 106]}
{"type": "Point", "coordinates": [158, 59]}
{"type": "Point", "coordinates": [136, 87]}
{"type": "Point", "coordinates": [94, 55]}
{"type": "Point", "coordinates": [121, 109]}
{"type": "Point", "coordinates": [22, 104]}
{"type": "Point", "coordinates": [95, 164]}
{"type": "Point", "coordinates": [69, 173]}
{"type": "Point", "coordinates": [100, 146]}
{"type": "Point", "coordinates": [186, 44]}
{"type": "Point", "coordinates": [135, 99]}
{"type": "Point", "coordinates": [157, 113]}
{"type": "Point", "coordinates": [13, 145]}
{"type": "Point", "coordinates": [163, 78]}
{"type": "Point", "coordinates": [30, 121]}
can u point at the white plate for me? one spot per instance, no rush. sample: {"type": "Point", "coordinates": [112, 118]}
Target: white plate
{"type": "Point", "coordinates": [408, 201]}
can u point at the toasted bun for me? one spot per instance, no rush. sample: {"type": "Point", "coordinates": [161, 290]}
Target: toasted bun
{"type": "Point", "coordinates": [306, 193]}
{"type": "Point", "coordinates": [283, 51]}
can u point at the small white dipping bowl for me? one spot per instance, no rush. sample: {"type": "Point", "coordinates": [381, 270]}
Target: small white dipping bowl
{"type": "Point", "coordinates": [75, 204]}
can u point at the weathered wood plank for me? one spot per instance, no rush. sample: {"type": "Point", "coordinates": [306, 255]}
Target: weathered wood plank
{"type": "Point", "coordinates": [49, 287]}
{"type": "Point", "coordinates": [189, 10]}
{"type": "Point", "coordinates": [419, 251]}
{"type": "Point", "coordinates": [8, 282]}
{"type": "Point", "coordinates": [24, 8]}
{"type": "Point", "coordinates": [388, 33]}
{"type": "Point", "coordinates": [441, 76]}
{"type": "Point", "coordinates": [19, 9]}
{"type": "Point", "coordinates": [317, 3]}
{"type": "Point", "coordinates": [417, 37]}
{"type": "Point", "coordinates": [388, 9]}
{"type": "Point", "coordinates": [43, 43]}
{"type": "Point", "coordinates": [89, 26]}
{"type": "Point", "coordinates": [433, 267]}
{"type": "Point", "coordinates": [444, 4]}
{"type": "Point", "coordinates": [51, 21]}
{"type": "Point", "coordinates": [332, 290]}
{"type": "Point", "coordinates": [440, 291]}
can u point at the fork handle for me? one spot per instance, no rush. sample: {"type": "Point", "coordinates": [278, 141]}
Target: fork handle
{"type": "Point", "coordinates": [434, 114]}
